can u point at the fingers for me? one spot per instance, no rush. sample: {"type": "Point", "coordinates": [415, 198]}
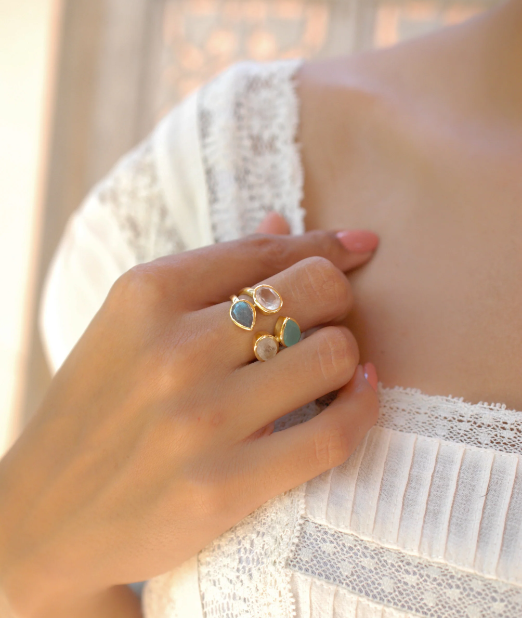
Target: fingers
{"type": "Point", "coordinates": [273, 223]}
{"type": "Point", "coordinates": [221, 270]}
{"type": "Point", "coordinates": [319, 364]}
{"type": "Point", "coordinates": [314, 292]}
{"type": "Point", "coordinates": [291, 457]}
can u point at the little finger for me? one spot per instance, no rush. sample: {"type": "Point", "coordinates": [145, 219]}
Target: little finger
{"type": "Point", "coordinates": [291, 457]}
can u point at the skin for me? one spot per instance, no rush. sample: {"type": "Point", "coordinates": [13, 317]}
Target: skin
{"type": "Point", "coordinates": [422, 143]}
{"type": "Point", "coordinates": [146, 447]}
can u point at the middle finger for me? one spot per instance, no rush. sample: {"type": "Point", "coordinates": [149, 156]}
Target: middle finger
{"type": "Point", "coordinates": [314, 292]}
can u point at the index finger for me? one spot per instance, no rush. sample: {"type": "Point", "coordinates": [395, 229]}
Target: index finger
{"type": "Point", "coordinates": [223, 269]}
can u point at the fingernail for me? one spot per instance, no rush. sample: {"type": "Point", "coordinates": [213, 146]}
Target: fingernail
{"type": "Point", "coordinates": [370, 373]}
{"type": "Point", "coordinates": [358, 241]}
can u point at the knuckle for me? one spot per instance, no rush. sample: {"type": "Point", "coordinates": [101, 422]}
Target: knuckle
{"type": "Point", "coordinates": [324, 241]}
{"type": "Point", "coordinates": [333, 445]}
{"type": "Point", "coordinates": [147, 286]}
{"type": "Point", "coordinates": [137, 285]}
{"type": "Point", "coordinates": [337, 354]}
{"type": "Point", "coordinates": [272, 251]}
{"type": "Point", "coordinates": [325, 282]}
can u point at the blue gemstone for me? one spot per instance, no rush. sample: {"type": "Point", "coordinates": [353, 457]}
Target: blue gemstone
{"type": "Point", "coordinates": [243, 314]}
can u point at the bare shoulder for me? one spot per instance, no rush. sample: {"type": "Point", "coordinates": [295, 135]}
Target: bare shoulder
{"type": "Point", "coordinates": [411, 142]}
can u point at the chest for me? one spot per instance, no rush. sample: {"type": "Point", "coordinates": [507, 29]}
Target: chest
{"type": "Point", "coordinates": [440, 306]}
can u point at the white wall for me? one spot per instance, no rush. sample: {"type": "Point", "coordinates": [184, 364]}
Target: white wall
{"type": "Point", "coordinates": [28, 41]}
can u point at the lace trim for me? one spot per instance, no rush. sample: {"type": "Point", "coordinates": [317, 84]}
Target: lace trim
{"type": "Point", "coordinates": [409, 410]}
{"type": "Point", "coordinates": [404, 582]}
{"type": "Point", "coordinates": [242, 573]}
{"type": "Point", "coordinates": [248, 121]}
{"type": "Point", "coordinates": [490, 426]}
{"type": "Point", "coordinates": [135, 198]}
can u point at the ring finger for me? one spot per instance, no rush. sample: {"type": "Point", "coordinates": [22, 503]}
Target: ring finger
{"type": "Point", "coordinates": [314, 292]}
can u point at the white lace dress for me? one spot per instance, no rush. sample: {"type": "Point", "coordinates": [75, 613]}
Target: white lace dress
{"type": "Point", "coordinates": [424, 519]}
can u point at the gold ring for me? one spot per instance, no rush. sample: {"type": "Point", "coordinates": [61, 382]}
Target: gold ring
{"type": "Point", "coordinates": [287, 331]}
{"type": "Point", "coordinates": [265, 297]}
{"type": "Point", "coordinates": [242, 312]}
{"type": "Point", "coordinates": [266, 346]}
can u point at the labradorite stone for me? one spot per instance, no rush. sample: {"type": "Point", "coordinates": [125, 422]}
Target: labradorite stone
{"type": "Point", "coordinates": [291, 334]}
{"type": "Point", "coordinates": [243, 314]}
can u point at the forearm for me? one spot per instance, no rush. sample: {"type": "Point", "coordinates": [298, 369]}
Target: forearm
{"type": "Point", "coordinates": [116, 602]}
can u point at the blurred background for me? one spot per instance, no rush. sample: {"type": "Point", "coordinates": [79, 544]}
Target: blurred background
{"type": "Point", "coordinates": [82, 81]}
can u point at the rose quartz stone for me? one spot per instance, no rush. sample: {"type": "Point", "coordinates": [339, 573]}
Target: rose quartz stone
{"type": "Point", "coordinates": [268, 299]}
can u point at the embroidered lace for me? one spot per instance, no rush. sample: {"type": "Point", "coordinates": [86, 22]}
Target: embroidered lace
{"type": "Point", "coordinates": [248, 122]}
{"type": "Point", "coordinates": [391, 578]}
{"type": "Point", "coordinates": [134, 196]}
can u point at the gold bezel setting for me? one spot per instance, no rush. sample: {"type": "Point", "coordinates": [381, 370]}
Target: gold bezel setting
{"type": "Point", "coordinates": [258, 337]}
{"type": "Point", "coordinates": [235, 300]}
{"type": "Point", "coordinates": [279, 330]}
{"type": "Point", "coordinates": [252, 293]}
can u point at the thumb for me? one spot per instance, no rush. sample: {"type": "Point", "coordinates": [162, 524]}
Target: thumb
{"type": "Point", "coordinates": [273, 223]}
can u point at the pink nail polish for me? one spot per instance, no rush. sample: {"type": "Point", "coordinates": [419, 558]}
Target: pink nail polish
{"type": "Point", "coordinates": [370, 373]}
{"type": "Point", "coordinates": [358, 241]}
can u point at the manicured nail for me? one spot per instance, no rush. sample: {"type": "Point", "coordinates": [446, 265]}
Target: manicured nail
{"type": "Point", "coordinates": [358, 241]}
{"type": "Point", "coordinates": [370, 373]}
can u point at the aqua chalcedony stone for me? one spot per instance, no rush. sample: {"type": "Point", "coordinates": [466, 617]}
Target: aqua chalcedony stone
{"type": "Point", "coordinates": [291, 333]}
{"type": "Point", "coordinates": [243, 314]}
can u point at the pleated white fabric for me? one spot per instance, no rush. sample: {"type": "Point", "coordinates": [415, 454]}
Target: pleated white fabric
{"type": "Point", "coordinates": [424, 519]}
{"type": "Point", "coordinates": [410, 525]}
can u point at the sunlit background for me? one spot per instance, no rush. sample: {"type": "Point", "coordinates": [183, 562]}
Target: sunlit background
{"type": "Point", "coordinates": [82, 81]}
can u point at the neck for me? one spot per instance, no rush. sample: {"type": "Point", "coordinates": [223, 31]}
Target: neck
{"type": "Point", "coordinates": [498, 39]}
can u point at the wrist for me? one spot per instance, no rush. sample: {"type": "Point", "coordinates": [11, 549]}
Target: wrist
{"type": "Point", "coordinates": [115, 601]}
{"type": "Point", "coordinates": [31, 577]}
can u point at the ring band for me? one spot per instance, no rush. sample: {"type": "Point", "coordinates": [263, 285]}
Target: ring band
{"type": "Point", "coordinates": [287, 331]}
{"type": "Point", "coordinates": [266, 346]}
{"type": "Point", "coordinates": [242, 313]}
{"type": "Point", "coordinates": [265, 297]}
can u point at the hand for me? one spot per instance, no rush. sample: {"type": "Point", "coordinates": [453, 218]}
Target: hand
{"type": "Point", "coordinates": [155, 436]}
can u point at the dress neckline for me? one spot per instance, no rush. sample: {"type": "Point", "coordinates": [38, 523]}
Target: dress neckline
{"type": "Point", "coordinates": [258, 169]}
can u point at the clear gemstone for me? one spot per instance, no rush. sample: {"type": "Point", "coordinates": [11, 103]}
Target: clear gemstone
{"type": "Point", "coordinates": [267, 298]}
{"type": "Point", "coordinates": [266, 348]}
{"type": "Point", "coordinates": [242, 313]}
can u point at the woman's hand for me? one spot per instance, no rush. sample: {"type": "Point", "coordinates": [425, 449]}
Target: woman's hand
{"type": "Point", "coordinates": [156, 434]}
